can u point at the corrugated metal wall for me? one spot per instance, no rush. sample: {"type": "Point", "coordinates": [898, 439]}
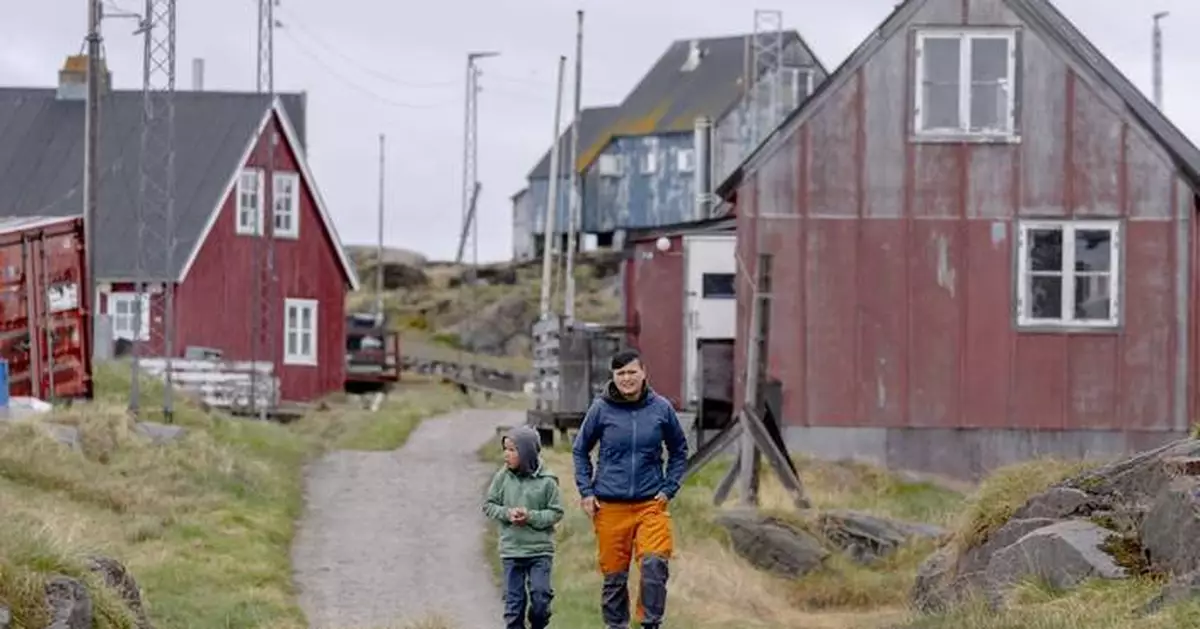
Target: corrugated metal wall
{"type": "Point", "coordinates": [894, 261]}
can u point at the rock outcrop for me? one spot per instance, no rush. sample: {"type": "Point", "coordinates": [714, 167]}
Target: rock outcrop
{"type": "Point", "coordinates": [70, 605]}
{"type": "Point", "coordinates": [1119, 520]}
{"type": "Point", "coordinates": [772, 544]}
{"type": "Point", "coordinates": [866, 538]}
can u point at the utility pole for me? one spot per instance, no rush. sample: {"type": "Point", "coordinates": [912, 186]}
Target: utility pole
{"type": "Point", "coordinates": [263, 343]}
{"type": "Point", "coordinates": [91, 167]}
{"type": "Point", "coordinates": [552, 197]}
{"type": "Point", "coordinates": [574, 220]}
{"type": "Point", "coordinates": [470, 183]}
{"type": "Point", "coordinates": [1157, 58]}
{"type": "Point", "coordinates": [156, 200]}
{"type": "Point", "coordinates": [379, 244]}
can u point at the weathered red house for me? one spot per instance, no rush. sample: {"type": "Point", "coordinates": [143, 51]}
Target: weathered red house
{"type": "Point", "coordinates": [983, 246]}
{"type": "Point", "coordinates": [221, 146]}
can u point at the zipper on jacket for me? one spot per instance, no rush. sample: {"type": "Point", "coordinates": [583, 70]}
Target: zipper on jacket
{"type": "Point", "coordinates": [633, 457]}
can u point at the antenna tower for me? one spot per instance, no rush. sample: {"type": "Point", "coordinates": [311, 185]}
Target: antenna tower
{"type": "Point", "coordinates": [154, 273]}
{"type": "Point", "coordinates": [262, 347]}
{"type": "Point", "coordinates": [765, 80]}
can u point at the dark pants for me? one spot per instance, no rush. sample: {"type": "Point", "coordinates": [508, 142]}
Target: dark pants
{"type": "Point", "coordinates": [527, 575]}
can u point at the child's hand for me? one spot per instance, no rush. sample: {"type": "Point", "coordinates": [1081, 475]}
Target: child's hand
{"type": "Point", "coordinates": [518, 515]}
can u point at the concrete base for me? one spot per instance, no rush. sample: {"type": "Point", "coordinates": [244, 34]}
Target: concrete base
{"type": "Point", "coordinates": [965, 454]}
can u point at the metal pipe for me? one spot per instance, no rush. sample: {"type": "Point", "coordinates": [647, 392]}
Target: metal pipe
{"type": "Point", "coordinates": [552, 197]}
{"type": "Point", "coordinates": [575, 217]}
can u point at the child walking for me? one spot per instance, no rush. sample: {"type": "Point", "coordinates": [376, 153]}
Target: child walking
{"type": "Point", "coordinates": [524, 499]}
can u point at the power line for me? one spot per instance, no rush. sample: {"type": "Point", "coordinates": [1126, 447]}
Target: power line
{"type": "Point", "coordinates": [316, 59]}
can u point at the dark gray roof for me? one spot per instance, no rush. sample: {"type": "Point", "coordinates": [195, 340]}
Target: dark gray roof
{"type": "Point", "coordinates": [41, 162]}
{"type": "Point", "coordinates": [669, 99]}
{"type": "Point", "coordinates": [1047, 21]}
{"type": "Point", "coordinates": [593, 122]}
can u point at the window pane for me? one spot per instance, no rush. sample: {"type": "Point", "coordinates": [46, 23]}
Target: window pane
{"type": "Point", "coordinates": [1045, 250]}
{"type": "Point", "coordinates": [1092, 298]}
{"type": "Point", "coordinates": [306, 319]}
{"type": "Point", "coordinates": [1045, 297]}
{"type": "Point", "coordinates": [291, 318]}
{"type": "Point", "coordinates": [990, 83]}
{"type": "Point", "coordinates": [1093, 250]}
{"type": "Point", "coordinates": [291, 343]}
{"type": "Point", "coordinates": [306, 344]}
{"type": "Point", "coordinates": [940, 91]}
{"type": "Point", "coordinates": [717, 285]}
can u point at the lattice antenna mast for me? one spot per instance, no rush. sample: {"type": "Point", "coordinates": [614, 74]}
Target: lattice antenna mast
{"type": "Point", "coordinates": [262, 347]}
{"type": "Point", "coordinates": [154, 273]}
{"type": "Point", "coordinates": [471, 185]}
{"type": "Point", "coordinates": [766, 76]}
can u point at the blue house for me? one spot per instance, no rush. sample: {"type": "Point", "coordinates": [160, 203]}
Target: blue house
{"type": "Point", "coordinates": [638, 160]}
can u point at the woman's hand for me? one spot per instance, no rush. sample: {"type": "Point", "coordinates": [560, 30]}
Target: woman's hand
{"type": "Point", "coordinates": [589, 506]}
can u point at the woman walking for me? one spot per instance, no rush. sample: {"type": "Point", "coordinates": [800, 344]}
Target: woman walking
{"type": "Point", "coordinates": [627, 492]}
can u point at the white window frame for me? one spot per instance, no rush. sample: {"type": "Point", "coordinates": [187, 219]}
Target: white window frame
{"type": "Point", "coordinates": [609, 165]}
{"type": "Point", "coordinates": [292, 199]}
{"type": "Point", "coordinates": [964, 83]}
{"type": "Point", "coordinates": [648, 164]}
{"type": "Point", "coordinates": [131, 299]}
{"type": "Point", "coordinates": [1068, 228]}
{"type": "Point", "coordinates": [685, 160]}
{"type": "Point", "coordinates": [298, 357]}
{"type": "Point", "coordinates": [792, 79]}
{"type": "Point", "coordinates": [246, 223]}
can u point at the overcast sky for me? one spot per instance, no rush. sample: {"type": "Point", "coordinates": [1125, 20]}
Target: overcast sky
{"type": "Point", "coordinates": [383, 66]}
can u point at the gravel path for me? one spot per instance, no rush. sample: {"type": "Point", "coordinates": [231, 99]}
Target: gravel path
{"type": "Point", "coordinates": [390, 538]}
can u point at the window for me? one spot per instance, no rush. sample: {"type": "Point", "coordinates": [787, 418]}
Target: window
{"type": "Point", "coordinates": [798, 82]}
{"type": "Point", "coordinates": [1069, 273]}
{"type": "Point", "coordinates": [649, 162]}
{"type": "Point", "coordinates": [686, 160]}
{"type": "Point", "coordinates": [717, 286]}
{"type": "Point", "coordinates": [286, 199]}
{"type": "Point", "coordinates": [124, 311]}
{"type": "Point", "coordinates": [965, 83]}
{"type": "Point", "coordinates": [609, 166]}
{"type": "Point", "coordinates": [250, 202]}
{"type": "Point", "coordinates": [300, 332]}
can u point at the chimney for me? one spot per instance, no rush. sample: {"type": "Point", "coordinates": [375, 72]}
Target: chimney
{"type": "Point", "coordinates": [694, 56]}
{"type": "Point", "coordinates": [198, 74]}
{"type": "Point", "coordinates": [72, 78]}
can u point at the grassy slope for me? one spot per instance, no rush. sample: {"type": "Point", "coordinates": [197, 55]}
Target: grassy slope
{"type": "Point", "coordinates": [205, 524]}
{"type": "Point", "coordinates": [711, 588]}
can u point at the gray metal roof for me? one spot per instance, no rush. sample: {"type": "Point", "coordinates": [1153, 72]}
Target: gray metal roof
{"type": "Point", "coordinates": [41, 162]}
{"type": "Point", "coordinates": [1044, 19]}
{"type": "Point", "coordinates": [593, 122]}
{"type": "Point", "coordinates": [669, 99]}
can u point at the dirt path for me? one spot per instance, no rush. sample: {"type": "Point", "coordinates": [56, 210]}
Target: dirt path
{"type": "Point", "coordinates": [394, 537]}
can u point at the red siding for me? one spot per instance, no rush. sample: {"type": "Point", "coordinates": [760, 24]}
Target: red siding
{"type": "Point", "coordinates": [654, 303]}
{"type": "Point", "coordinates": [894, 285]}
{"type": "Point", "coordinates": [215, 305]}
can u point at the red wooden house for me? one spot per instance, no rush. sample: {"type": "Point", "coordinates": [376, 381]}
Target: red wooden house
{"type": "Point", "coordinates": [221, 146]}
{"type": "Point", "coordinates": [983, 246]}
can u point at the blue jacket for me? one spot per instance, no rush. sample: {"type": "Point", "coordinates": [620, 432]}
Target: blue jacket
{"type": "Point", "coordinates": [631, 435]}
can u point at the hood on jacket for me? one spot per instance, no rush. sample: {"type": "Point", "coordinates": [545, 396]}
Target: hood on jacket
{"type": "Point", "coordinates": [529, 447]}
{"type": "Point", "coordinates": [613, 395]}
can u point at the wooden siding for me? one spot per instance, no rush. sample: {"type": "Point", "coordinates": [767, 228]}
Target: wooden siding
{"type": "Point", "coordinates": [654, 304]}
{"type": "Point", "coordinates": [894, 260]}
{"type": "Point", "coordinates": [215, 305]}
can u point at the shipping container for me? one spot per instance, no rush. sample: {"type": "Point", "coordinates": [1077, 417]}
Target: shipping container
{"type": "Point", "coordinates": [45, 320]}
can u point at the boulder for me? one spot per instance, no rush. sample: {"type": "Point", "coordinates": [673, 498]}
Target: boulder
{"type": "Point", "coordinates": [771, 544]}
{"type": "Point", "coordinates": [69, 604]}
{"type": "Point", "coordinates": [1059, 503]}
{"type": "Point", "coordinates": [1062, 555]}
{"type": "Point", "coordinates": [496, 325]}
{"type": "Point", "coordinates": [117, 578]}
{"type": "Point", "coordinates": [1181, 588]}
{"type": "Point", "coordinates": [1172, 518]}
{"type": "Point", "coordinates": [866, 538]}
{"type": "Point", "coordinates": [68, 436]}
{"type": "Point", "coordinates": [949, 576]}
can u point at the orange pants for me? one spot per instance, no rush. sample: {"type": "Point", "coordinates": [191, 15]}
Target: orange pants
{"type": "Point", "coordinates": [641, 532]}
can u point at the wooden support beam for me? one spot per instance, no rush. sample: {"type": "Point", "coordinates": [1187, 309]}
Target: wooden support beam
{"type": "Point", "coordinates": [708, 451]}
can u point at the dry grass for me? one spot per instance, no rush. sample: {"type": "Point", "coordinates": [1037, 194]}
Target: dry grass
{"type": "Point", "coordinates": [205, 524]}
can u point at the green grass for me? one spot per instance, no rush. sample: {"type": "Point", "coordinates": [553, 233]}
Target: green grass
{"type": "Point", "coordinates": [204, 524]}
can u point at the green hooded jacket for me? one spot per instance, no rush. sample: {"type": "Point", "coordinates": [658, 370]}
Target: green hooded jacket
{"type": "Point", "coordinates": [532, 486]}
